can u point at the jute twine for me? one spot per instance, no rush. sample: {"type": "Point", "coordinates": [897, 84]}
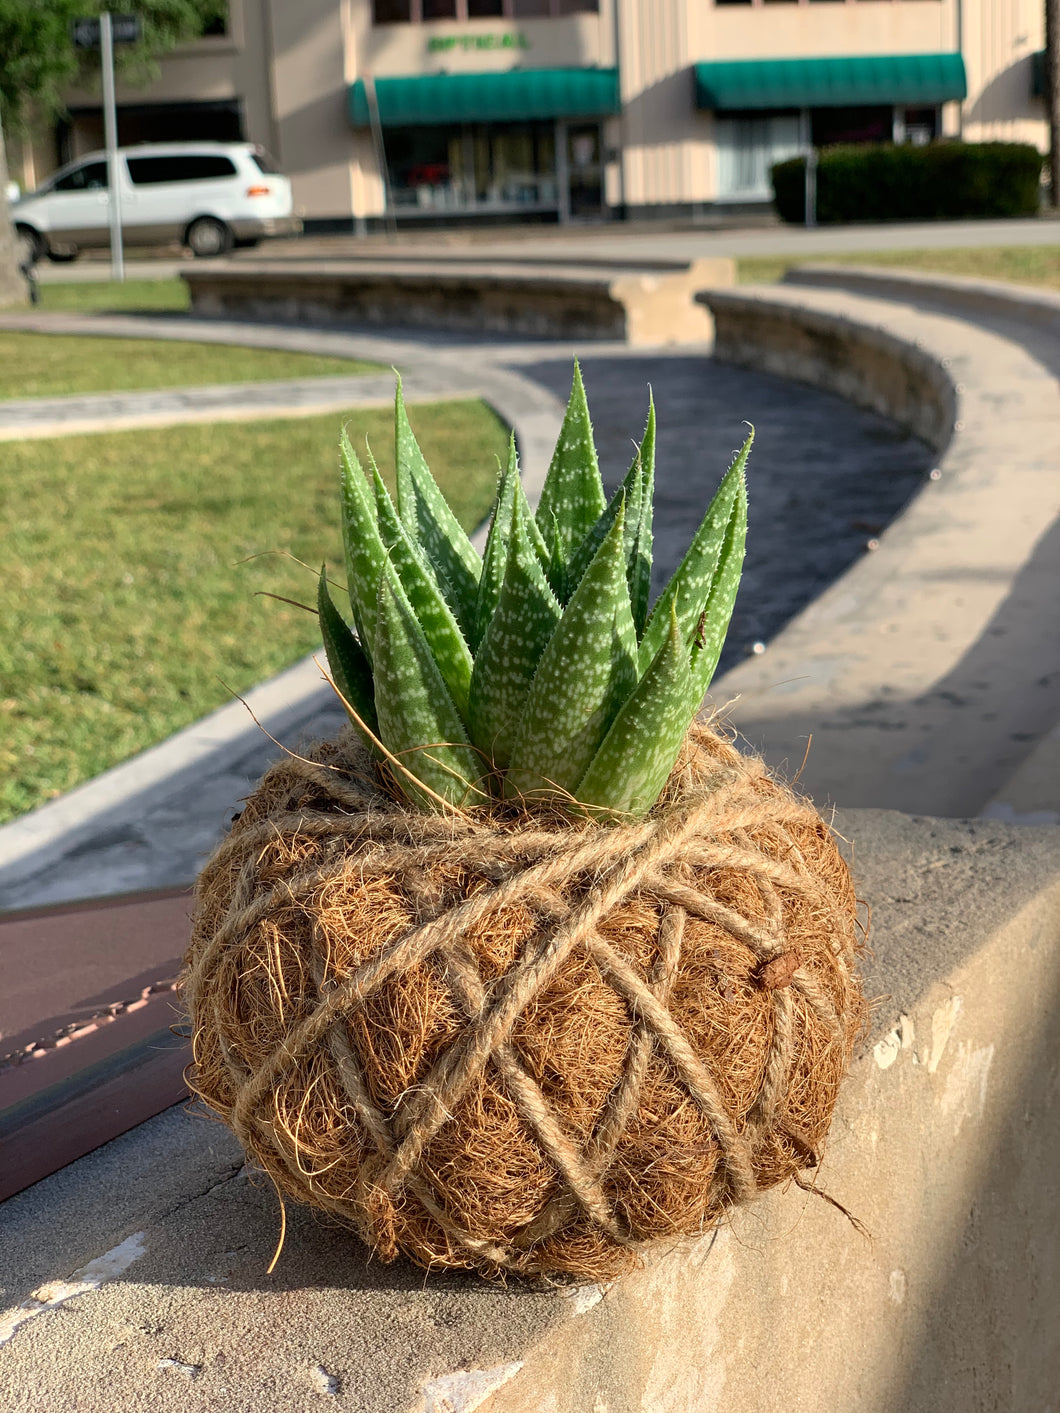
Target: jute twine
{"type": "Point", "coordinates": [507, 1040]}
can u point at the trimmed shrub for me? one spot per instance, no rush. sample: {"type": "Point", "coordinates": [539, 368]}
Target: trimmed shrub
{"type": "Point", "coordinates": [944, 181]}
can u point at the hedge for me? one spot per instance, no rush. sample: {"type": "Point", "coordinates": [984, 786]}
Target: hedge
{"type": "Point", "coordinates": [886, 182]}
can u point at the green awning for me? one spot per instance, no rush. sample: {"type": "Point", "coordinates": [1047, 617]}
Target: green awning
{"type": "Point", "coordinates": [863, 81]}
{"type": "Point", "coordinates": [507, 96]}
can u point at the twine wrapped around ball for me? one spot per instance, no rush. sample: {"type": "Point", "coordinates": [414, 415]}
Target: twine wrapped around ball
{"type": "Point", "coordinates": [512, 1040]}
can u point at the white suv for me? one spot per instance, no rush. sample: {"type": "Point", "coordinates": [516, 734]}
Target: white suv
{"type": "Point", "coordinates": [208, 195]}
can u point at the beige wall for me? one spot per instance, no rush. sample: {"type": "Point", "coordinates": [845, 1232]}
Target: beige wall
{"type": "Point", "coordinates": [999, 38]}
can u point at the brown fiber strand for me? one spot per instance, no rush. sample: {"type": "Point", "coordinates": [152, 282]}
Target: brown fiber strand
{"type": "Point", "coordinates": [512, 1040]}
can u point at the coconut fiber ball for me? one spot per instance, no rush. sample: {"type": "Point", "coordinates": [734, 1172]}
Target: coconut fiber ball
{"type": "Point", "coordinates": [507, 1039]}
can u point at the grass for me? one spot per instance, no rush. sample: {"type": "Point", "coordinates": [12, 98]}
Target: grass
{"type": "Point", "coordinates": [53, 365]}
{"type": "Point", "coordinates": [131, 562]}
{"type": "Point", "coordinates": [105, 297]}
{"type": "Point", "coordinates": [1022, 264]}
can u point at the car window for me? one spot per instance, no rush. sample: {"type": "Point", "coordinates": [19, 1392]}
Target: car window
{"type": "Point", "coordinates": [90, 177]}
{"type": "Point", "coordinates": [150, 171]}
{"type": "Point", "coordinates": [264, 162]}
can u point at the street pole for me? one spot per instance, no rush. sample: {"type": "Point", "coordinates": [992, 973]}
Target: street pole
{"type": "Point", "coordinates": [110, 134]}
{"type": "Point", "coordinates": [811, 187]}
{"type": "Point", "coordinates": [389, 218]}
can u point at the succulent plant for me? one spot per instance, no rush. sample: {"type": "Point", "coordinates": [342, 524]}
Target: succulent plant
{"type": "Point", "coordinates": [536, 671]}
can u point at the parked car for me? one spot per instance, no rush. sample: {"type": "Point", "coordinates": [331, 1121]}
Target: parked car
{"type": "Point", "coordinates": [208, 195]}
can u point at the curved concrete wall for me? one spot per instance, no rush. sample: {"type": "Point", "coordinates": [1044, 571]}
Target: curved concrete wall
{"type": "Point", "coordinates": [922, 674]}
{"type": "Point", "coordinates": [844, 355]}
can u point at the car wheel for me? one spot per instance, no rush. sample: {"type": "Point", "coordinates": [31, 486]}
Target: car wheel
{"type": "Point", "coordinates": [30, 246]}
{"type": "Point", "coordinates": [62, 254]}
{"type": "Point", "coordinates": [208, 236]}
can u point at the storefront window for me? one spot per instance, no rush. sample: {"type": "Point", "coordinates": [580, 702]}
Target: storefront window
{"type": "Point", "coordinates": [439, 9]}
{"type": "Point", "coordinates": [484, 9]}
{"type": "Point", "coordinates": [497, 167]}
{"type": "Point", "coordinates": [833, 125]}
{"type": "Point", "coordinates": [748, 145]}
{"type": "Point", "coordinates": [392, 12]}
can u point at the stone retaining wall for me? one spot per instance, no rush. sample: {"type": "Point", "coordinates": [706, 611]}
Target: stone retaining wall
{"type": "Point", "coordinates": [576, 302]}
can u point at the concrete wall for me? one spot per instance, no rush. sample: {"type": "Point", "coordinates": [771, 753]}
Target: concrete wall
{"type": "Point", "coordinates": [136, 1278]}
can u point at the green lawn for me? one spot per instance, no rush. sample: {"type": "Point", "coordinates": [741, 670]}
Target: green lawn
{"type": "Point", "coordinates": [52, 365]}
{"type": "Point", "coordinates": [1022, 264]}
{"type": "Point", "coordinates": [106, 297]}
{"type": "Point", "coordinates": [130, 563]}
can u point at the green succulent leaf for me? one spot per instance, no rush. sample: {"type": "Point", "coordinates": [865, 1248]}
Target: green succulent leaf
{"type": "Point", "coordinates": [418, 720]}
{"type": "Point", "coordinates": [350, 668]}
{"type": "Point", "coordinates": [638, 482]}
{"type": "Point", "coordinates": [364, 550]}
{"type": "Point", "coordinates": [428, 603]}
{"type": "Point", "coordinates": [572, 498]}
{"type": "Point", "coordinates": [709, 638]}
{"type": "Point", "coordinates": [430, 523]}
{"type": "Point", "coordinates": [586, 672]}
{"type": "Point", "coordinates": [522, 624]}
{"type": "Point", "coordinates": [640, 554]}
{"type": "Point", "coordinates": [631, 767]}
{"type": "Point", "coordinates": [689, 590]}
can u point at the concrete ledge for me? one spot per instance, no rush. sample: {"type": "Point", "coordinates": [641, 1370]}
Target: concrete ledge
{"type": "Point", "coordinates": [137, 1276]}
{"type": "Point", "coordinates": [954, 293]}
{"type": "Point", "coordinates": [841, 354]}
{"type": "Point", "coordinates": [920, 675]}
{"type": "Point", "coordinates": [541, 301]}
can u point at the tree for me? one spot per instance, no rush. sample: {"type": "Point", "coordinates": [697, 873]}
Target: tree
{"type": "Point", "coordinates": [38, 60]}
{"type": "Point", "coordinates": [1052, 95]}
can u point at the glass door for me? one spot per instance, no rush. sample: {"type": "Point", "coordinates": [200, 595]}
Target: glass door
{"type": "Point", "coordinates": [584, 150]}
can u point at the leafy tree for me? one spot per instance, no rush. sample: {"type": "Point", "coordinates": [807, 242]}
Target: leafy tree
{"type": "Point", "coordinates": [38, 61]}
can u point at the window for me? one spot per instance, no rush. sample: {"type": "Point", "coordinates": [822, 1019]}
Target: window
{"type": "Point", "coordinates": [748, 145]}
{"type": "Point", "coordinates": [403, 12]}
{"type": "Point", "coordinates": [91, 177]}
{"type": "Point", "coordinates": [150, 171]}
{"type": "Point", "coordinates": [215, 17]}
{"type": "Point", "coordinates": [444, 170]}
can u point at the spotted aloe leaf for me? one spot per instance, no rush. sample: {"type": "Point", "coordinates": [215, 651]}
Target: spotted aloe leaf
{"type": "Point", "coordinates": [429, 521]}
{"type": "Point", "coordinates": [709, 636]}
{"type": "Point", "coordinates": [633, 763]}
{"type": "Point", "coordinates": [639, 483]}
{"type": "Point", "coordinates": [572, 498]}
{"type": "Point", "coordinates": [418, 721]}
{"type": "Point", "coordinates": [364, 550]}
{"type": "Point", "coordinates": [640, 555]}
{"type": "Point", "coordinates": [350, 668]}
{"type": "Point", "coordinates": [523, 621]}
{"type": "Point", "coordinates": [427, 601]}
{"type": "Point", "coordinates": [689, 589]}
{"type": "Point", "coordinates": [586, 671]}
{"type": "Point", "coordinates": [494, 561]}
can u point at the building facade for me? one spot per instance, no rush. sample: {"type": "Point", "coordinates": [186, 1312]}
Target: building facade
{"type": "Point", "coordinates": [432, 111]}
